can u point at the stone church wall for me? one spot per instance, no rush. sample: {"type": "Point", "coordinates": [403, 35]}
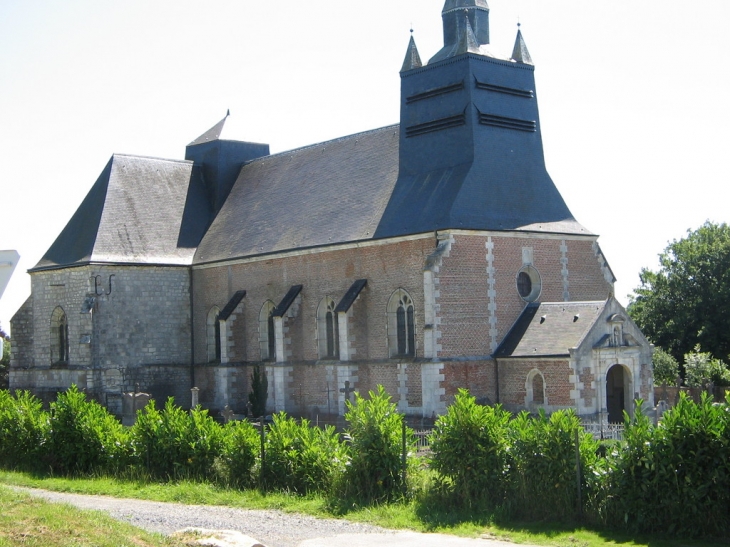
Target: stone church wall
{"type": "Point", "coordinates": [134, 331]}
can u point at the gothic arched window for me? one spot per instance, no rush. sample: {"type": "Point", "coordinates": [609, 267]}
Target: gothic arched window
{"type": "Point", "coordinates": [401, 325]}
{"type": "Point", "coordinates": [267, 334]}
{"type": "Point", "coordinates": [328, 331]}
{"type": "Point", "coordinates": [59, 337]}
{"type": "Point", "coordinates": [213, 335]}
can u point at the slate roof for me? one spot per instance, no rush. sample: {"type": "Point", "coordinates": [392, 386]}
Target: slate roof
{"type": "Point", "coordinates": [332, 192]}
{"type": "Point", "coordinates": [550, 329]}
{"type": "Point", "coordinates": [461, 4]}
{"type": "Point", "coordinates": [140, 210]}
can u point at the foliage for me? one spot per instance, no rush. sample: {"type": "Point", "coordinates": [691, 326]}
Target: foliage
{"type": "Point", "coordinates": [687, 302]}
{"type": "Point", "coordinates": [175, 444]}
{"type": "Point", "coordinates": [259, 392]}
{"type": "Point", "coordinates": [666, 368]}
{"type": "Point", "coordinates": [374, 472]}
{"type": "Point", "coordinates": [700, 368]}
{"type": "Point", "coordinates": [470, 451]}
{"type": "Point", "coordinates": [543, 464]}
{"type": "Point", "coordinates": [241, 444]}
{"type": "Point", "coordinates": [24, 430]}
{"type": "Point", "coordinates": [84, 437]}
{"type": "Point", "coordinates": [301, 458]}
{"type": "Point", "coordinates": [4, 360]}
{"type": "Point", "coordinates": [675, 477]}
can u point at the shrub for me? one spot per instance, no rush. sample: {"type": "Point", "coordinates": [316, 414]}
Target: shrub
{"type": "Point", "coordinates": [24, 430]}
{"type": "Point", "coordinates": [701, 368]}
{"type": "Point", "coordinates": [301, 458]}
{"type": "Point", "coordinates": [543, 464]}
{"type": "Point", "coordinates": [469, 446]}
{"type": "Point", "coordinates": [84, 436]}
{"type": "Point", "coordinates": [374, 472]}
{"type": "Point", "coordinates": [259, 392]}
{"type": "Point", "coordinates": [241, 446]}
{"type": "Point", "coordinates": [675, 477]}
{"type": "Point", "coordinates": [174, 444]}
{"type": "Point", "coordinates": [666, 368]}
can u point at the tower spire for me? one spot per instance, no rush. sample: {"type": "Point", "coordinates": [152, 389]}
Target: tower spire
{"type": "Point", "coordinates": [520, 52]}
{"type": "Point", "coordinates": [468, 42]}
{"type": "Point", "coordinates": [453, 15]}
{"type": "Point", "coordinates": [413, 59]}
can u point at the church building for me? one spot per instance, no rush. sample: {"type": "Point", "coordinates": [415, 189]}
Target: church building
{"type": "Point", "coordinates": [427, 256]}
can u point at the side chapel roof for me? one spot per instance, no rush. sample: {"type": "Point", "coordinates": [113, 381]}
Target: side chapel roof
{"type": "Point", "coordinates": [140, 210]}
{"type": "Point", "coordinates": [549, 329]}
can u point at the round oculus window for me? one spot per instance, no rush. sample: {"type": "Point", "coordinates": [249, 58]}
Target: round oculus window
{"type": "Point", "coordinates": [524, 284]}
{"type": "Point", "coordinates": [528, 284]}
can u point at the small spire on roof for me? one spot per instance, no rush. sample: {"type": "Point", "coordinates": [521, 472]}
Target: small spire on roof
{"type": "Point", "coordinates": [520, 52]}
{"type": "Point", "coordinates": [468, 42]}
{"type": "Point", "coordinates": [228, 112]}
{"type": "Point", "coordinates": [413, 59]}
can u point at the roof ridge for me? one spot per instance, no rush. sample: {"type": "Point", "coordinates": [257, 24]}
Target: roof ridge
{"type": "Point", "coordinates": [157, 158]}
{"type": "Point", "coordinates": [315, 145]}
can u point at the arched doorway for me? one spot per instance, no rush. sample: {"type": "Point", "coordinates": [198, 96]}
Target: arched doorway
{"type": "Point", "coordinates": [618, 393]}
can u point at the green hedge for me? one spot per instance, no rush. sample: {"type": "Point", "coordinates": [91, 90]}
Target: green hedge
{"type": "Point", "coordinates": [672, 478]}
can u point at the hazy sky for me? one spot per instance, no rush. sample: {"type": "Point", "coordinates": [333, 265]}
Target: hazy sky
{"type": "Point", "coordinates": [632, 95]}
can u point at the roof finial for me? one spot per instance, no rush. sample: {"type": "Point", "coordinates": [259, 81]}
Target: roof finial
{"type": "Point", "coordinates": [228, 112]}
{"type": "Point", "coordinates": [520, 52]}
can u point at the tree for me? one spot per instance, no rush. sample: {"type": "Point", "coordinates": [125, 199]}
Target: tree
{"type": "Point", "coordinates": [4, 360]}
{"type": "Point", "coordinates": [666, 368]}
{"type": "Point", "coordinates": [259, 392]}
{"type": "Point", "coordinates": [687, 302]}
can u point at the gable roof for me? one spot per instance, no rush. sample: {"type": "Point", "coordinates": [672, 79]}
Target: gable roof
{"type": "Point", "coordinates": [550, 329]}
{"type": "Point", "coordinates": [140, 210]}
{"type": "Point", "coordinates": [332, 192]}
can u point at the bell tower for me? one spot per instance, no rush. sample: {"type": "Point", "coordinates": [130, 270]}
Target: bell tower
{"type": "Point", "coordinates": [471, 154]}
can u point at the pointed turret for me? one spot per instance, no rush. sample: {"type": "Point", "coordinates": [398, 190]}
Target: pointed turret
{"type": "Point", "coordinates": [453, 16]}
{"type": "Point", "coordinates": [520, 52]}
{"type": "Point", "coordinates": [413, 59]}
{"type": "Point", "coordinates": [467, 41]}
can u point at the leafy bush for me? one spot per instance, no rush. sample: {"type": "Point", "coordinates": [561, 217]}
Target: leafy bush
{"type": "Point", "coordinates": [701, 368]}
{"type": "Point", "coordinates": [675, 477]}
{"type": "Point", "coordinates": [470, 451]}
{"type": "Point", "coordinates": [543, 464]}
{"type": "Point", "coordinates": [301, 458]}
{"type": "Point", "coordinates": [666, 368]}
{"type": "Point", "coordinates": [374, 472]}
{"type": "Point", "coordinates": [241, 446]}
{"type": "Point", "coordinates": [84, 437]}
{"type": "Point", "coordinates": [259, 392]}
{"type": "Point", "coordinates": [24, 430]}
{"type": "Point", "coordinates": [174, 444]}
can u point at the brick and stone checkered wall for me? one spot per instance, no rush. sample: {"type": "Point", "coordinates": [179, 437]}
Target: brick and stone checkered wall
{"type": "Point", "coordinates": [145, 332]}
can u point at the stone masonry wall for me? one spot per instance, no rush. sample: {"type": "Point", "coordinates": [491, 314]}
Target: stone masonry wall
{"type": "Point", "coordinates": [125, 333]}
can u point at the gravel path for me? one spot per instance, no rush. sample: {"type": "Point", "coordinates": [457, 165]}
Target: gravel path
{"type": "Point", "coordinates": [273, 528]}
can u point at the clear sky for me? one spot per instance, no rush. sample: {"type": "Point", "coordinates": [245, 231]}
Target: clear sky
{"type": "Point", "coordinates": [632, 95]}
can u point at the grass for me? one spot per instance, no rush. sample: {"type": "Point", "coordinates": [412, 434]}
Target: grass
{"type": "Point", "coordinates": [423, 515]}
{"type": "Point", "coordinates": [31, 522]}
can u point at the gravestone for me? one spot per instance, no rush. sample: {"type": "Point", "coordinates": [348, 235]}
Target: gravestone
{"type": "Point", "coordinates": [132, 402]}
